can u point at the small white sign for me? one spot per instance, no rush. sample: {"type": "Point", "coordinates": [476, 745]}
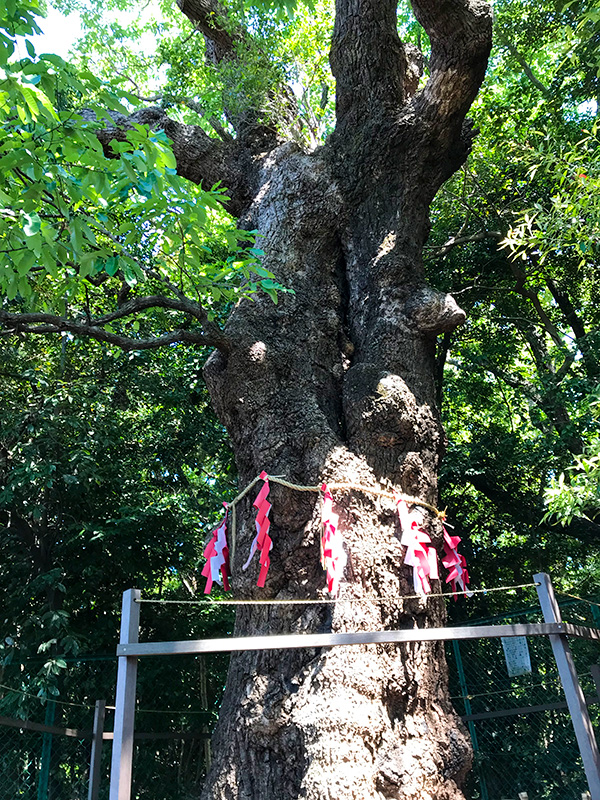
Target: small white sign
{"type": "Point", "coordinates": [516, 653]}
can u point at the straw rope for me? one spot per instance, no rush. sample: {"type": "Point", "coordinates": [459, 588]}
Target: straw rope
{"type": "Point", "coordinates": [329, 600]}
{"type": "Point", "coordinates": [333, 487]}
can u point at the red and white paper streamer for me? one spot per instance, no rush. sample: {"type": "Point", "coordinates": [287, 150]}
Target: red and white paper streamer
{"type": "Point", "coordinates": [420, 554]}
{"type": "Point", "coordinates": [456, 564]}
{"type": "Point", "coordinates": [333, 555]}
{"type": "Point", "coordinates": [421, 557]}
{"type": "Point", "coordinates": [216, 553]}
{"type": "Point", "coordinates": [262, 541]}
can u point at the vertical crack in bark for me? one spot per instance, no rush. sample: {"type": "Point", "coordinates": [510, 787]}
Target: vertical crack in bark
{"type": "Point", "coordinates": [345, 343]}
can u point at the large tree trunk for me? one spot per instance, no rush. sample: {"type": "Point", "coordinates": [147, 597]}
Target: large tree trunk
{"type": "Point", "coordinates": [336, 383]}
{"type": "Point", "coordinates": [324, 386]}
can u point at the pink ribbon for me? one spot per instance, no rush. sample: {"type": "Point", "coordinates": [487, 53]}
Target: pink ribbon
{"type": "Point", "coordinates": [216, 553]}
{"type": "Point", "coordinates": [333, 555]}
{"type": "Point", "coordinates": [456, 564]}
{"type": "Point", "coordinates": [419, 556]}
{"type": "Point", "coordinates": [262, 541]}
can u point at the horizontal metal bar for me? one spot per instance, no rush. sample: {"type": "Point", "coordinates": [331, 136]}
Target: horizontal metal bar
{"type": "Point", "coordinates": [109, 735]}
{"type": "Point", "coordinates": [513, 712]}
{"type": "Point", "coordinates": [26, 725]}
{"type": "Point", "coordinates": [295, 641]}
{"type": "Point", "coordinates": [186, 735]}
{"type": "Point", "coordinates": [581, 631]}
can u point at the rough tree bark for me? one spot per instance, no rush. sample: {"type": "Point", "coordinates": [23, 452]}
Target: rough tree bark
{"type": "Point", "coordinates": [336, 383]}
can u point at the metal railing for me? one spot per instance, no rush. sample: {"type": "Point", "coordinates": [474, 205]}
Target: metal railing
{"type": "Point", "coordinates": [557, 632]}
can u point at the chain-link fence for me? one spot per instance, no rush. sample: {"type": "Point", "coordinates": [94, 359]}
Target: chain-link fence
{"type": "Point", "coordinates": [46, 745]}
{"type": "Point", "coordinates": [523, 739]}
{"type": "Point", "coordinates": [42, 765]}
{"type": "Point", "coordinates": [175, 715]}
{"type": "Point", "coordinates": [44, 748]}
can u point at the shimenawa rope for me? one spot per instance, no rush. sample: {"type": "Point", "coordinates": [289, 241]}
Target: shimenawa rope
{"type": "Point", "coordinates": [333, 487]}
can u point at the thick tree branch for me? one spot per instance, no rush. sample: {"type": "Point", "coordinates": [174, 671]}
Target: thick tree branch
{"type": "Point", "coordinates": [460, 32]}
{"type": "Point", "coordinates": [522, 63]}
{"type": "Point", "coordinates": [99, 334]}
{"type": "Point", "coordinates": [190, 307]}
{"type": "Point", "coordinates": [563, 370]}
{"type": "Point", "coordinates": [190, 103]}
{"type": "Point", "coordinates": [209, 16]}
{"type": "Point", "coordinates": [200, 158]}
{"type": "Point", "coordinates": [538, 348]}
{"type": "Point", "coordinates": [563, 301]}
{"type": "Point", "coordinates": [367, 59]}
{"type": "Point", "coordinates": [529, 294]}
{"type": "Point", "coordinates": [378, 115]}
{"type": "Point", "coordinates": [455, 241]}
{"type": "Point", "coordinates": [40, 322]}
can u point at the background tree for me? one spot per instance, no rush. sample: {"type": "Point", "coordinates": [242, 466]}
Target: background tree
{"type": "Point", "coordinates": [111, 474]}
{"type": "Point", "coordinates": [112, 471]}
{"type": "Point", "coordinates": [514, 239]}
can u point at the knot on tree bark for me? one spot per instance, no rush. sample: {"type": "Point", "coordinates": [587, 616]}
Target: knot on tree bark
{"type": "Point", "coordinates": [395, 433]}
{"type": "Point", "coordinates": [433, 312]}
{"type": "Point", "coordinates": [380, 407]}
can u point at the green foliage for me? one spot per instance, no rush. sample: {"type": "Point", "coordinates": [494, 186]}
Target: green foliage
{"type": "Point", "coordinates": [112, 474]}
{"type": "Point", "coordinates": [67, 212]}
{"type": "Point", "coordinates": [285, 48]}
{"type": "Point", "coordinates": [565, 223]}
{"type": "Point", "coordinates": [576, 492]}
{"type": "Point", "coordinates": [19, 19]}
{"type": "Point", "coordinates": [519, 373]}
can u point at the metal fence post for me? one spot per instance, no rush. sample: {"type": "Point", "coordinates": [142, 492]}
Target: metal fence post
{"type": "Point", "coordinates": [122, 753]}
{"type": "Point", "coordinates": [573, 693]}
{"type": "Point", "coordinates": [96, 754]}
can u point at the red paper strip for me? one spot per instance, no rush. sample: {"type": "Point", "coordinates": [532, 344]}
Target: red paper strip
{"type": "Point", "coordinates": [456, 564]}
{"type": "Point", "coordinates": [216, 553]}
{"type": "Point", "coordinates": [333, 555]}
{"type": "Point", "coordinates": [419, 556]}
{"type": "Point", "coordinates": [262, 541]}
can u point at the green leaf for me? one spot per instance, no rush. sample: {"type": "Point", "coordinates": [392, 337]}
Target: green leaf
{"type": "Point", "coordinates": [32, 224]}
{"type": "Point", "coordinates": [111, 265]}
